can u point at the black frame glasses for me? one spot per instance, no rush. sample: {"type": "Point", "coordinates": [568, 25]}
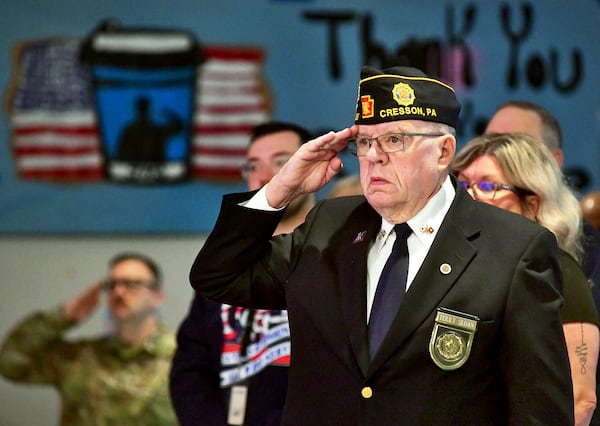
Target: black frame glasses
{"type": "Point", "coordinates": [388, 143]}
{"type": "Point", "coordinates": [253, 167]}
{"type": "Point", "coordinates": [486, 190]}
{"type": "Point", "coordinates": [109, 284]}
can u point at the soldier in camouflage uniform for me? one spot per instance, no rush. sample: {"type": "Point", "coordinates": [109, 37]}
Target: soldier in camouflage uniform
{"type": "Point", "coordinates": [119, 379]}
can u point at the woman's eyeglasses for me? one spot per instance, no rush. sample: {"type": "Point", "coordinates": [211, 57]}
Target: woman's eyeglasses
{"type": "Point", "coordinates": [486, 190]}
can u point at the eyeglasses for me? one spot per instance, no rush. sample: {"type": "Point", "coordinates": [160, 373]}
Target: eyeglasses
{"type": "Point", "coordinates": [254, 167]}
{"type": "Point", "coordinates": [390, 142]}
{"type": "Point", "coordinates": [486, 190]}
{"type": "Point", "coordinates": [110, 284]}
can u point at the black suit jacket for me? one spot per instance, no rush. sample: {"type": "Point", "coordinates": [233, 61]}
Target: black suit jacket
{"type": "Point", "coordinates": [504, 269]}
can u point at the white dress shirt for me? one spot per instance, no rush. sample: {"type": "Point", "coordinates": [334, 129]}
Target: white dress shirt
{"type": "Point", "coordinates": [424, 225]}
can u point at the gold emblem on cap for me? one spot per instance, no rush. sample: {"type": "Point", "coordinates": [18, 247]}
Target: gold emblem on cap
{"type": "Point", "coordinates": [451, 338]}
{"type": "Point", "coordinates": [403, 94]}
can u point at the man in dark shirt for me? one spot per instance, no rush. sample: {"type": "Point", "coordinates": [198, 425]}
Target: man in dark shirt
{"type": "Point", "coordinates": [218, 354]}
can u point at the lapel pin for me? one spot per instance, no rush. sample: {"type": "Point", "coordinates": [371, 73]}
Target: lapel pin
{"type": "Point", "coordinates": [445, 268]}
{"type": "Point", "coordinates": [360, 237]}
{"type": "Point", "coordinates": [426, 229]}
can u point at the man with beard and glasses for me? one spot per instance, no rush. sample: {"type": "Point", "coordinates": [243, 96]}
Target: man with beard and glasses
{"type": "Point", "coordinates": [119, 378]}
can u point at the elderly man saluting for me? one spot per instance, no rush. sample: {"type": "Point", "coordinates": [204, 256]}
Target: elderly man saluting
{"type": "Point", "coordinates": [415, 306]}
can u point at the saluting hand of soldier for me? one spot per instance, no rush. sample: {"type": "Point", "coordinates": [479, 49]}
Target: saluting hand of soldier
{"type": "Point", "coordinates": [81, 306]}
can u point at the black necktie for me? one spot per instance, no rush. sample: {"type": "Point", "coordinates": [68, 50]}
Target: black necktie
{"type": "Point", "coordinates": [390, 289]}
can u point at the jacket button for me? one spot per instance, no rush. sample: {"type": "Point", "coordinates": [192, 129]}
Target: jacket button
{"type": "Point", "coordinates": [366, 392]}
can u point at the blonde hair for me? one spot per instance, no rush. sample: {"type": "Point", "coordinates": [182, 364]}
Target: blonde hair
{"type": "Point", "coordinates": [530, 166]}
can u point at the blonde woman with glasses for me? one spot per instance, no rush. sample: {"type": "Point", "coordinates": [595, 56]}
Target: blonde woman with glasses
{"type": "Point", "coordinates": [515, 172]}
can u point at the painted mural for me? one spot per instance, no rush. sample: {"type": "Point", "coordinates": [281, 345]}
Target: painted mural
{"type": "Point", "coordinates": [192, 85]}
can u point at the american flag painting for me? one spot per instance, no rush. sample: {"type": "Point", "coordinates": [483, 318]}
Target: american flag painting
{"type": "Point", "coordinates": [54, 123]}
{"type": "Point", "coordinates": [54, 129]}
{"type": "Point", "coordinates": [232, 98]}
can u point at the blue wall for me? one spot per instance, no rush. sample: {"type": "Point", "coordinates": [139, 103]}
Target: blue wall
{"type": "Point", "coordinates": [309, 87]}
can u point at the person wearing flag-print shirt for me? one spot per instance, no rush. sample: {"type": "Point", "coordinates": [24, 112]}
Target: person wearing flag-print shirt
{"type": "Point", "coordinates": [210, 361]}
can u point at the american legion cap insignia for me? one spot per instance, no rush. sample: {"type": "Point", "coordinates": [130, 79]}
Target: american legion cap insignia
{"type": "Point", "coordinates": [451, 338]}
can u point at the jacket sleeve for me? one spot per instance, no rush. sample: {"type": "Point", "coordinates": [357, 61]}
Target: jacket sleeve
{"type": "Point", "coordinates": [32, 351]}
{"type": "Point", "coordinates": [237, 264]}
{"type": "Point", "coordinates": [194, 377]}
{"type": "Point", "coordinates": [533, 350]}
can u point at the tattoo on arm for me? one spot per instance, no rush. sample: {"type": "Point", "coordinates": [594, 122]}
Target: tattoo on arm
{"type": "Point", "coordinates": [581, 352]}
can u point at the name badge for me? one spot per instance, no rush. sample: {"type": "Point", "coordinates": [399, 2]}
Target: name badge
{"type": "Point", "coordinates": [451, 338]}
{"type": "Point", "coordinates": [237, 405]}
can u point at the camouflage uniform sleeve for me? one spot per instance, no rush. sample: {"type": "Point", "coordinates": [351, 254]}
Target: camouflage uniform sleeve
{"type": "Point", "coordinates": [30, 352]}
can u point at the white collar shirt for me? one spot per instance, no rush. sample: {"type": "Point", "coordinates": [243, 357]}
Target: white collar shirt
{"type": "Point", "coordinates": [425, 225]}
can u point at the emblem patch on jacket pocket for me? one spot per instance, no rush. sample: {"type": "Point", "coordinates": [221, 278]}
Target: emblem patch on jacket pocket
{"type": "Point", "coordinates": [451, 338]}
